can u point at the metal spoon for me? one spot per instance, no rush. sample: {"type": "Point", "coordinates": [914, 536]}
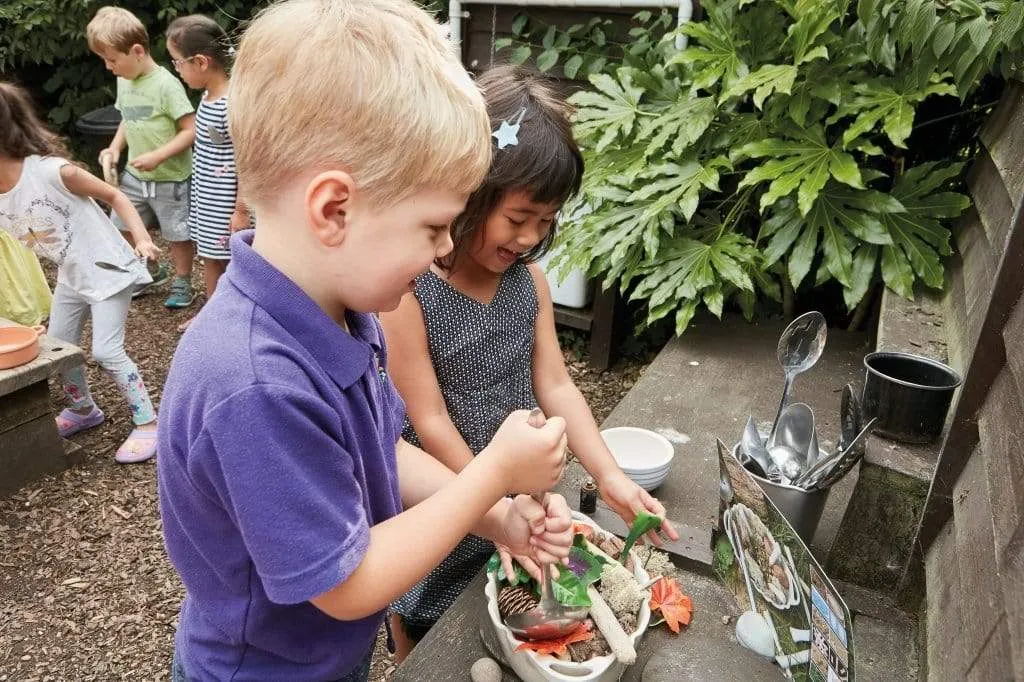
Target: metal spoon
{"type": "Point", "coordinates": [849, 417]}
{"type": "Point", "coordinates": [799, 348]}
{"type": "Point", "coordinates": [796, 431]}
{"type": "Point", "coordinates": [787, 462]}
{"type": "Point", "coordinates": [752, 445]}
{"type": "Point", "coordinates": [110, 266]}
{"type": "Point", "coordinates": [851, 456]}
{"type": "Point", "coordinates": [549, 619]}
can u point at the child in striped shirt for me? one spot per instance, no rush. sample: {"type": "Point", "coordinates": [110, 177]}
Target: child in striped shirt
{"type": "Point", "coordinates": [201, 54]}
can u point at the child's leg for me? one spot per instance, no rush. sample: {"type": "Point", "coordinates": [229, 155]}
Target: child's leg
{"type": "Point", "coordinates": [170, 203]}
{"type": "Point", "coordinates": [67, 316]}
{"type": "Point", "coordinates": [213, 270]}
{"type": "Point", "coordinates": [108, 320]}
{"type": "Point", "coordinates": [406, 635]}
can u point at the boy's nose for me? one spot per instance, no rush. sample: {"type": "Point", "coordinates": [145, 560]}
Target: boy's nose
{"type": "Point", "coordinates": [446, 245]}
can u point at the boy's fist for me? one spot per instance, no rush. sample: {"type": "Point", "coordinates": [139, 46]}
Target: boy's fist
{"type": "Point", "coordinates": [529, 458]}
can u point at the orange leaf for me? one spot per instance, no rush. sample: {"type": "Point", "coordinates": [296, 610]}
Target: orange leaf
{"type": "Point", "coordinates": [558, 647]}
{"type": "Point", "coordinates": [583, 529]}
{"type": "Point", "coordinates": [675, 607]}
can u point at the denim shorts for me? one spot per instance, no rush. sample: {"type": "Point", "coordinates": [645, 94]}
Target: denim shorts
{"type": "Point", "coordinates": [158, 203]}
{"type": "Point", "coordinates": [361, 673]}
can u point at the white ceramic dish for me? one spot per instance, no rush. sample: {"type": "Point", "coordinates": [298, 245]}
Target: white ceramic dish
{"type": "Point", "coordinates": [639, 451]}
{"type": "Point", "coordinates": [534, 668]}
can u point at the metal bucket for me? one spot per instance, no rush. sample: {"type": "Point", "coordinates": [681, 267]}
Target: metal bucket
{"type": "Point", "coordinates": [910, 395]}
{"type": "Point", "coordinates": [802, 508]}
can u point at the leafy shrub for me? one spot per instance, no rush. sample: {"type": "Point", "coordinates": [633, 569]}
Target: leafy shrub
{"type": "Point", "coordinates": [772, 152]}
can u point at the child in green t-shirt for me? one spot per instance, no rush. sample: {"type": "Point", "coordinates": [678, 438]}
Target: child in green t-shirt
{"type": "Point", "coordinates": [157, 122]}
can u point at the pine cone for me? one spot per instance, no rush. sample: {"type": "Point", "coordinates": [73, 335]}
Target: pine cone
{"type": "Point", "coordinates": [515, 600]}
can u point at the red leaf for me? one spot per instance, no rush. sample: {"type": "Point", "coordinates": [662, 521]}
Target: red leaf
{"type": "Point", "coordinates": [583, 529]}
{"type": "Point", "coordinates": [675, 607]}
{"type": "Point", "coordinates": [558, 647]}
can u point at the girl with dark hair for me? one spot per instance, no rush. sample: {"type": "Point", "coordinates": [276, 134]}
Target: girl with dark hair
{"type": "Point", "coordinates": [201, 54]}
{"type": "Point", "coordinates": [47, 203]}
{"type": "Point", "coordinates": [477, 339]}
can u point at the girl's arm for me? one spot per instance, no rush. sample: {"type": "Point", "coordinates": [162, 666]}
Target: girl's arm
{"type": "Point", "coordinates": [414, 377]}
{"type": "Point", "coordinates": [558, 395]}
{"type": "Point", "coordinates": [176, 145]}
{"type": "Point", "coordinates": [85, 184]}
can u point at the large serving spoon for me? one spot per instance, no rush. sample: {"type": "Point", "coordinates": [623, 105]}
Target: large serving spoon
{"type": "Point", "coordinates": [796, 430]}
{"type": "Point", "coordinates": [549, 619]}
{"type": "Point", "coordinates": [799, 348]}
{"type": "Point", "coordinates": [849, 417]}
{"type": "Point", "coordinates": [753, 447]}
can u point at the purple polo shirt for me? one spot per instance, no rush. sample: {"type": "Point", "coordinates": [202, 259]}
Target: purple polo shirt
{"type": "Point", "coordinates": [277, 455]}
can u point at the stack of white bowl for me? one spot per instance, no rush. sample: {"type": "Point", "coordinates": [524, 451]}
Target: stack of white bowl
{"type": "Point", "coordinates": [645, 456]}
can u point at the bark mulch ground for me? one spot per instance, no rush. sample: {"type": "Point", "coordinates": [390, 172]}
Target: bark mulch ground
{"type": "Point", "coordinates": [86, 590]}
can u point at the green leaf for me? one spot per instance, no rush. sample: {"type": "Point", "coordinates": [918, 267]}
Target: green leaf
{"type": "Point", "coordinates": [502, 43]}
{"type": "Point", "coordinates": [918, 235]}
{"type": "Point", "coordinates": [521, 577]}
{"type": "Point", "coordinates": [676, 186]}
{"type": "Point", "coordinates": [803, 164]}
{"type": "Point", "coordinates": [862, 274]}
{"type": "Point", "coordinates": [569, 590]}
{"type": "Point", "coordinates": [610, 112]}
{"type": "Point", "coordinates": [841, 218]}
{"type": "Point", "coordinates": [572, 66]}
{"type": "Point", "coordinates": [546, 60]}
{"type": "Point", "coordinates": [642, 523]}
{"type": "Point", "coordinates": [549, 37]}
{"type": "Point", "coordinates": [877, 100]}
{"type": "Point", "coordinates": [519, 24]}
{"type": "Point", "coordinates": [715, 59]}
{"type": "Point", "coordinates": [766, 80]}
{"type": "Point", "coordinates": [519, 55]}
{"type": "Point", "coordinates": [683, 122]}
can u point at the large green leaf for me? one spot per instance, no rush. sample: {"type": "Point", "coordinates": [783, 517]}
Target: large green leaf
{"type": "Point", "coordinates": [716, 56]}
{"type": "Point", "coordinates": [611, 111]}
{"type": "Point", "coordinates": [884, 100]}
{"type": "Point", "coordinates": [841, 218]}
{"type": "Point", "coordinates": [802, 164]}
{"type": "Point", "coordinates": [675, 187]}
{"type": "Point", "coordinates": [766, 80]}
{"type": "Point", "coordinates": [683, 122]}
{"type": "Point", "coordinates": [919, 237]}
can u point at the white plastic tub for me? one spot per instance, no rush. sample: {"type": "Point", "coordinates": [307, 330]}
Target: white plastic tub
{"type": "Point", "coordinates": [534, 668]}
{"type": "Point", "coordinates": [572, 292]}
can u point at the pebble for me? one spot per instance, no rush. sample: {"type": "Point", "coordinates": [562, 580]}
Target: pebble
{"type": "Point", "coordinates": [726, 619]}
{"type": "Point", "coordinates": [485, 670]}
{"type": "Point", "coordinates": [694, 363]}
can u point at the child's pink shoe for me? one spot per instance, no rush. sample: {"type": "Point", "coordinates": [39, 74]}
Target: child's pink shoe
{"type": "Point", "coordinates": [70, 422]}
{"type": "Point", "coordinates": [140, 446]}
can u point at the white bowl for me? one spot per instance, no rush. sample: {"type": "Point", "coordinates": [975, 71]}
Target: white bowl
{"type": "Point", "coordinates": [640, 453]}
{"type": "Point", "coordinates": [532, 667]}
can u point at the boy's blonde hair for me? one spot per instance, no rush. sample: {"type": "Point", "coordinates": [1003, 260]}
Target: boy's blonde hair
{"type": "Point", "coordinates": [116, 28]}
{"type": "Point", "coordinates": [365, 85]}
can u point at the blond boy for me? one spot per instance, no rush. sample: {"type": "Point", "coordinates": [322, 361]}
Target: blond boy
{"type": "Point", "coordinates": [282, 476]}
{"type": "Point", "coordinates": [157, 123]}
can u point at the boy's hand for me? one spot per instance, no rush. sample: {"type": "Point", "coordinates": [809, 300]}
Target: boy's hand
{"type": "Point", "coordinates": [148, 250]}
{"type": "Point", "coordinates": [146, 162]}
{"type": "Point", "coordinates": [114, 154]}
{"type": "Point", "coordinates": [528, 458]}
{"type": "Point", "coordinates": [543, 533]}
{"type": "Point", "coordinates": [627, 498]}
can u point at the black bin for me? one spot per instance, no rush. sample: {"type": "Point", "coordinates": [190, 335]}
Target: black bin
{"type": "Point", "coordinates": [910, 395]}
{"type": "Point", "coordinates": [96, 130]}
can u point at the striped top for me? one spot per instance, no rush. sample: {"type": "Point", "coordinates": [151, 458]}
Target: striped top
{"type": "Point", "coordinates": [214, 182]}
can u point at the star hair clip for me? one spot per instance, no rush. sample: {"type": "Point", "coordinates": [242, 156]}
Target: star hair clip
{"type": "Point", "coordinates": [507, 133]}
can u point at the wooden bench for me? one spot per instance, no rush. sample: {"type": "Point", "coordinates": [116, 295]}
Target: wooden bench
{"type": "Point", "coordinates": [30, 446]}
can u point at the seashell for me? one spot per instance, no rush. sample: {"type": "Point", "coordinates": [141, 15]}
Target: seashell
{"type": "Point", "coordinates": [485, 670]}
{"type": "Point", "coordinates": [753, 632]}
{"type": "Point", "coordinates": [515, 600]}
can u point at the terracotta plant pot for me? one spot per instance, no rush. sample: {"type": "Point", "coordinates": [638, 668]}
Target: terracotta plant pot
{"type": "Point", "coordinates": [19, 345]}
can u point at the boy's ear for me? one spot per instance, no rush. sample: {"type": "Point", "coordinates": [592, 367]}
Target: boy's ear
{"type": "Point", "coordinates": [137, 50]}
{"type": "Point", "coordinates": [329, 205]}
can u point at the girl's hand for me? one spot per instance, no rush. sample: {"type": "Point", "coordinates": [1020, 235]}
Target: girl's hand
{"type": "Point", "coordinates": [146, 162]}
{"type": "Point", "coordinates": [541, 532]}
{"type": "Point", "coordinates": [114, 154]}
{"type": "Point", "coordinates": [239, 221]}
{"type": "Point", "coordinates": [627, 498]}
{"type": "Point", "coordinates": [148, 250]}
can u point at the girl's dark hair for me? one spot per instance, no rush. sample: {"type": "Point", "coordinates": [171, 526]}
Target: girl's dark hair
{"type": "Point", "coordinates": [545, 162]}
{"type": "Point", "coordinates": [22, 133]}
{"type": "Point", "coordinates": [196, 34]}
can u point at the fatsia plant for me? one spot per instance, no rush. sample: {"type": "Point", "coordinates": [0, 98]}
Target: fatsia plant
{"type": "Point", "coordinates": [772, 148]}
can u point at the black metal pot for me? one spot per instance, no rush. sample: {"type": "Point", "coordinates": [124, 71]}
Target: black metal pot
{"type": "Point", "coordinates": [909, 394]}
